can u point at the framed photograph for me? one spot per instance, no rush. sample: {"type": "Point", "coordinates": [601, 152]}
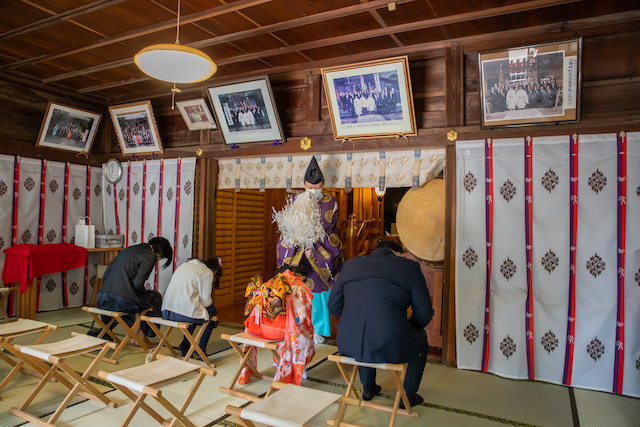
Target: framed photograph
{"type": "Point", "coordinates": [68, 128]}
{"type": "Point", "coordinates": [136, 128]}
{"type": "Point", "coordinates": [196, 114]}
{"type": "Point", "coordinates": [531, 85]}
{"type": "Point", "coordinates": [370, 99]}
{"type": "Point", "coordinates": [246, 111]}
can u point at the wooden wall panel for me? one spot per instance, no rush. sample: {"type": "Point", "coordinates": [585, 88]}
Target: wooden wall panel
{"type": "Point", "coordinates": [239, 241]}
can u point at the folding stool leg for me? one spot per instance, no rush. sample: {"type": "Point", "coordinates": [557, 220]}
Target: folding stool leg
{"type": "Point", "coordinates": [106, 327]}
{"type": "Point", "coordinates": [179, 416]}
{"type": "Point", "coordinates": [3, 299]}
{"type": "Point", "coordinates": [163, 341]}
{"type": "Point", "coordinates": [138, 403]}
{"type": "Point", "coordinates": [195, 344]}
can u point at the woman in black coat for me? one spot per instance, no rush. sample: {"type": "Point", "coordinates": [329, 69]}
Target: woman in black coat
{"type": "Point", "coordinates": [123, 286]}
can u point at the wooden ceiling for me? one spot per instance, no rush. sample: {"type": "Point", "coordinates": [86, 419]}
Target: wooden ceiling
{"type": "Point", "coordinates": [85, 48]}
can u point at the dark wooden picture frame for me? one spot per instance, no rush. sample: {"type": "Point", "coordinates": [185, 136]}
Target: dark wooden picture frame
{"type": "Point", "coordinates": [68, 128]}
{"type": "Point", "coordinates": [246, 111]}
{"type": "Point", "coordinates": [531, 85]}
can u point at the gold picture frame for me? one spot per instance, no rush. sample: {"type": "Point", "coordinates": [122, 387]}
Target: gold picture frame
{"type": "Point", "coordinates": [136, 128]}
{"type": "Point", "coordinates": [370, 99]}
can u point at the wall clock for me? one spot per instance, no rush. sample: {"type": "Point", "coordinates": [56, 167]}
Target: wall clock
{"type": "Point", "coordinates": [113, 171]}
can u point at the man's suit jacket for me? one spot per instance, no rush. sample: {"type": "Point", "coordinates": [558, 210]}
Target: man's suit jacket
{"type": "Point", "coordinates": [371, 298]}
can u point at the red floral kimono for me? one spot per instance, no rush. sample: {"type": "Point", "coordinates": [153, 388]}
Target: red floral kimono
{"type": "Point", "coordinates": [297, 349]}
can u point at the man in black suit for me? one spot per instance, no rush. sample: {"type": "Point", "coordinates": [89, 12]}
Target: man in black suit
{"type": "Point", "coordinates": [371, 298]}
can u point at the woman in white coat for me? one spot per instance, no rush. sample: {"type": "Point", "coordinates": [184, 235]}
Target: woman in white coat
{"type": "Point", "coordinates": [189, 297]}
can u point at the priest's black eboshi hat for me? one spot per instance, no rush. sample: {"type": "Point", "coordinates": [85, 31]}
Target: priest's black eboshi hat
{"type": "Point", "coordinates": [313, 175]}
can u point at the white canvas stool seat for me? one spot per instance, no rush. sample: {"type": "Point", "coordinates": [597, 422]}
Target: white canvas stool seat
{"type": "Point", "coordinates": [116, 317]}
{"type": "Point", "coordinates": [155, 322]}
{"type": "Point", "coordinates": [399, 371]}
{"type": "Point", "coordinates": [20, 327]}
{"type": "Point", "coordinates": [294, 406]}
{"type": "Point", "coordinates": [4, 294]}
{"type": "Point", "coordinates": [247, 338]}
{"type": "Point", "coordinates": [145, 379]}
{"type": "Point", "coordinates": [56, 354]}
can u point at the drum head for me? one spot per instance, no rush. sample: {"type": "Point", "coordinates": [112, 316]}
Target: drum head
{"type": "Point", "coordinates": [420, 221]}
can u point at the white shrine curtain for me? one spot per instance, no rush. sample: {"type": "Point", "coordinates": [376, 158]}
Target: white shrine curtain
{"type": "Point", "coordinates": [41, 201]}
{"type": "Point", "coordinates": [546, 229]}
{"type": "Point", "coordinates": [154, 198]}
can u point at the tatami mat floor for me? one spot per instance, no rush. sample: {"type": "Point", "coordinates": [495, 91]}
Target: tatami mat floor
{"type": "Point", "coordinates": [452, 397]}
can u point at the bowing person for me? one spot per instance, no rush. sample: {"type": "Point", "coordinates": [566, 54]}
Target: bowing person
{"type": "Point", "coordinates": [123, 284]}
{"type": "Point", "coordinates": [189, 297]}
{"type": "Point", "coordinates": [371, 298]}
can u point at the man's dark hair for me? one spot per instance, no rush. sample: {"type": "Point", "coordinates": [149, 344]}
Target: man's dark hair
{"type": "Point", "coordinates": [214, 265]}
{"type": "Point", "coordinates": [390, 244]}
{"type": "Point", "coordinates": [295, 269]}
{"type": "Point", "coordinates": [162, 247]}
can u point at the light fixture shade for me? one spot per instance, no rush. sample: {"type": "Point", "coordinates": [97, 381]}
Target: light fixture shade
{"type": "Point", "coordinates": [175, 63]}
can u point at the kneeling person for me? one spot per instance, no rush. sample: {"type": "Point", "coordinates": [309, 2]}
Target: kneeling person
{"type": "Point", "coordinates": [189, 297]}
{"type": "Point", "coordinates": [371, 298]}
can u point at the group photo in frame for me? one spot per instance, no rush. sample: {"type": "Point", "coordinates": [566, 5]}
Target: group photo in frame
{"type": "Point", "coordinates": [530, 85]}
{"type": "Point", "coordinates": [370, 99]}
{"type": "Point", "coordinates": [246, 111]}
{"type": "Point", "coordinates": [136, 128]}
{"type": "Point", "coordinates": [68, 128]}
{"type": "Point", "coordinates": [196, 114]}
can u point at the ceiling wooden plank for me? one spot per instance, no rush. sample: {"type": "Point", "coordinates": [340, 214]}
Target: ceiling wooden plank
{"type": "Point", "coordinates": [412, 26]}
{"type": "Point", "coordinates": [66, 16]}
{"type": "Point", "coordinates": [220, 10]}
{"type": "Point", "coordinates": [555, 30]}
{"type": "Point", "coordinates": [323, 16]}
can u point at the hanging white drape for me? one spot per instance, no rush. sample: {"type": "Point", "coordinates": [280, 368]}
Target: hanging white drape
{"type": "Point", "coordinates": [154, 198]}
{"type": "Point", "coordinates": [362, 167]}
{"type": "Point", "coordinates": [34, 210]}
{"type": "Point", "coordinates": [556, 218]}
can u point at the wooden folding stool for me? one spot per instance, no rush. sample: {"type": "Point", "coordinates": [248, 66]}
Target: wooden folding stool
{"type": "Point", "coordinates": [294, 406]}
{"type": "Point", "coordinates": [155, 322]}
{"type": "Point", "coordinates": [145, 379]}
{"type": "Point", "coordinates": [4, 294]}
{"type": "Point", "coordinates": [252, 341]}
{"type": "Point", "coordinates": [116, 316]}
{"type": "Point", "coordinates": [56, 354]}
{"type": "Point", "coordinates": [399, 371]}
{"type": "Point", "coordinates": [21, 327]}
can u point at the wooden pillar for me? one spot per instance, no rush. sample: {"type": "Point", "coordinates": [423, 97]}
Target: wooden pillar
{"type": "Point", "coordinates": [454, 116]}
{"type": "Point", "coordinates": [454, 86]}
{"type": "Point", "coordinates": [314, 99]}
{"type": "Point", "coordinates": [448, 285]}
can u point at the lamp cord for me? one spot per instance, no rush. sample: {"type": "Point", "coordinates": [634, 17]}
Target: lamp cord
{"type": "Point", "coordinates": [178, 25]}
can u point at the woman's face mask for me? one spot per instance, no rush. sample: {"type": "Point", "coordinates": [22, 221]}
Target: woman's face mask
{"type": "Point", "coordinates": [317, 192]}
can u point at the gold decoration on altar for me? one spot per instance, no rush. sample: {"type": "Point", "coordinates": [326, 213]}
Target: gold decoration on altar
{"type": "Point", "coordinates": [452, 135]}
{"type": "Point", "coordinates": [305, 143]}
{"type": "Point", "coordinates": [199, 152]}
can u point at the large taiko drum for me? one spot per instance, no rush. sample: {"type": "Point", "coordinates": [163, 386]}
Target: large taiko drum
{"type": "Point", "coordinates": [420, 221]}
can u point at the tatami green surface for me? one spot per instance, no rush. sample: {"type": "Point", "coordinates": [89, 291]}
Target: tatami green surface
{"type": "Point", "coordinates": [452, 397]}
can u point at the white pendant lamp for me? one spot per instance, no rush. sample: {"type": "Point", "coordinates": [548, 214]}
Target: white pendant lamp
{"type": "Point", "coordinates": [175, 63]}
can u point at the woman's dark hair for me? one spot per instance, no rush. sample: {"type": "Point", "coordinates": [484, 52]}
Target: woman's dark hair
{"type": "Point", "coordinates": [214, 265]}
{"type": "Point", "coordinates": [295, 269]}
{"type": "Point", "coordinates": [390, 244]}
{"type": "Point", "coordinates": [161, 246]}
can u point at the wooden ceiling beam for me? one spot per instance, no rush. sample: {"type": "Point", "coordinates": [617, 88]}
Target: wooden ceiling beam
{"type": "Point", "coordinates": [209, 13]}
{"type": "Point", "coordinates": [292, 23]}
{"type": "Point", "coordinates": [60, 17]}
{"type": "Point", "coordinates": [554, 31]}
{"type": "Point", "coordinates": [390, 31]}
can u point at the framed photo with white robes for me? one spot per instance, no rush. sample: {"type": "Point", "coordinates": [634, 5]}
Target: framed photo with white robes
{"type": "Point", "coordinates": [370, 99]}
{"type": "Point", "coordinates": [530, 85]}
{"type": "Point", "coordinates": [246, 111]}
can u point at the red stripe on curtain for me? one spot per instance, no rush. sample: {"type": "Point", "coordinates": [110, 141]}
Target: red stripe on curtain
{"type": "Point", "coordinates": [488, 148]}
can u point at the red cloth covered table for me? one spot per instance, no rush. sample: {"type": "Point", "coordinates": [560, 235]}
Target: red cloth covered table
{"type": "Point", "coordinates": [27, 261]}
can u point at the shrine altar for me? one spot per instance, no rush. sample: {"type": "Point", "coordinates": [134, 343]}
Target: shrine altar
{"type": "Point", "coordinates": [26, 262]}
